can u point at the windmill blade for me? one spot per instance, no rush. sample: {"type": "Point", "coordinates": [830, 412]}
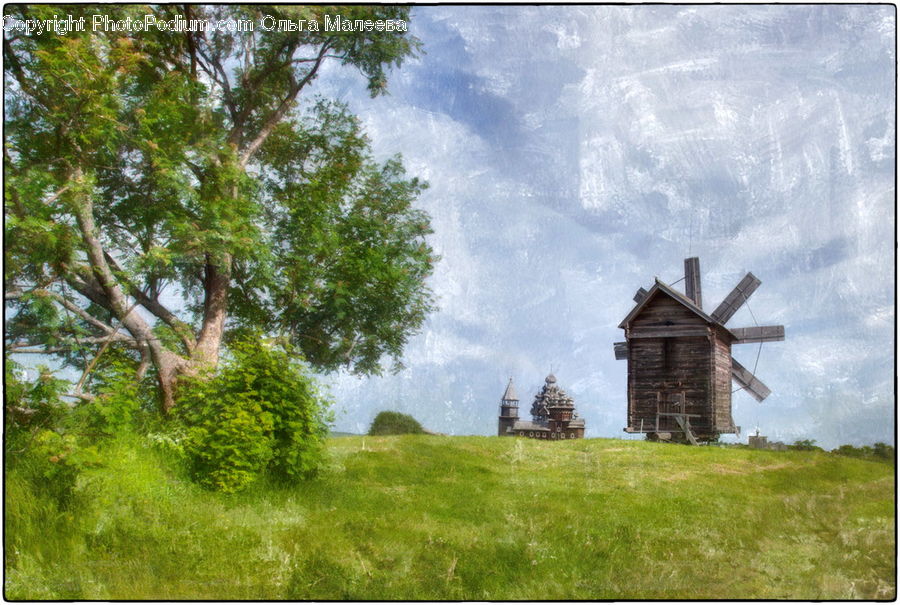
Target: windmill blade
{"type": "Point", "coordinates": [758, 334]}
{"type": "Point", "coordinates": [692, 280]}
{"type": "Point", "coordinates": [737, 298]}
{"type": "Point", "coordinates": [748, 381]}
{"type": "Point", "coordinates": [640, 295]}
{"type": "Point", "coordinates": [621, 349]}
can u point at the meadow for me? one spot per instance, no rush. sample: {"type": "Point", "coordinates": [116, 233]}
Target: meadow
{"type": "Point", "coordinates": [423, 517]}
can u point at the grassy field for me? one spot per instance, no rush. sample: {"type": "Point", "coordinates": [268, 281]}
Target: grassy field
{"type": "Point", "coordinates": [474, 518]}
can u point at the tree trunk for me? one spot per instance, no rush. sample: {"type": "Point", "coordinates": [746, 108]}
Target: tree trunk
{"type": "Point", "coordinates": [168, 368]}
{"type": "Point", "coordinates": [215, 311]}
{"type": "Point", "coordinates": [205, 355]}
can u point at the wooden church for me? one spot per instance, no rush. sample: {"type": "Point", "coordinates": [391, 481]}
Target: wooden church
{"type": "Point", "coordinates": [680, 368]}
{"type": "Point", "coordinates": [553, 414]}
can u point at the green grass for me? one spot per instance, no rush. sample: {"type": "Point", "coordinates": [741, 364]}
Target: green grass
{"type": "Point", "coordinates": [470, 518]}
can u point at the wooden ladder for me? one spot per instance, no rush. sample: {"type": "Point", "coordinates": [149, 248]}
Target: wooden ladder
{"type": "Point", "coordinates": [685, 424]}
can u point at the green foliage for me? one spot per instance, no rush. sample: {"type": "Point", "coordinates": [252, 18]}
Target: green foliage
{"type": "Point", "coordinates": [158, 161]}
{"type": "Point", "coordinates": [53, 463]}
{"type": "Point", "coordinates": [345, 283]}
{"type": "Point", "coordinates": [261, 413]}
{"type": "Point", "coordinates": [117, 407]}
{"type": "Point", "coordinates": [40, 443]}
{"type": "Point", "coordinates": [880, 451]}
{"type": "Point", "coordinates": [884, 451]}
{"type": "Point", "coordinates": [807, 445]}
{"type": "Point", "coordinates": [31, 407]}
{"type": "Point", "coordinates": [395, 423]}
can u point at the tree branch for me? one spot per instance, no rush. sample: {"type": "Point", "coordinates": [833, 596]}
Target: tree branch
{"type": "Point", "coordinates": [145, 362]}
{"type": "Point", "coordinates": [218, 75]}
{"type": "Point", "coordinates": [236, 134]}
{"type": "Point", "coordinates": [167, 362]}
{"type": "Point", "coordinates": [90, 366]}
{"type": "Point", "coordinates": [19, 73]}
{"type": "Point", "coordinates": [74, 309]}
{"type": "Point", "coordinates": [56, 195]}
{"type": "Point", "coordinates": [183, 330]}
{"type": "Point", "coordinates": [276, 116]}
{"type": "Point", "coordinates": [88, 286]}
{"type": "Point", "coordinates": [38, 349]}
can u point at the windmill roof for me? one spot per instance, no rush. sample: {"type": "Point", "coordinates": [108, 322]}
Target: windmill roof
{"type": "Point", "coordinates": [510, 393]}
{"type": "Point", "coordinates": [672, 293]}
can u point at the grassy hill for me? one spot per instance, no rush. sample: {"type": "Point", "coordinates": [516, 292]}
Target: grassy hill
{"type": "Point", "coordinates": [474, 518]}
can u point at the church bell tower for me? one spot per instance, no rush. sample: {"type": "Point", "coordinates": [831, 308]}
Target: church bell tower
{"type": "Point", "coordinates": [509, 411]}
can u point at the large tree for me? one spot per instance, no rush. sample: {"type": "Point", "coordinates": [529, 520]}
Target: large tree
{"type": "Point", "coordinates": [165, 187]}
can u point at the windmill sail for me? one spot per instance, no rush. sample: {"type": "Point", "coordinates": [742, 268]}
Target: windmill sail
{"type": "Point", "coordinates": [692, 280]}
{"type": "Point", "coordinates": [736, 298]}
{"type": "Point", "coordinates": [748, 381]}
{"type": "Point", "coordinates": [758, 334]}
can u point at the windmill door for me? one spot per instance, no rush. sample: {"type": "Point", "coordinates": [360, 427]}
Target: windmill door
{"type": "Point", "coordinates": [668, 406]}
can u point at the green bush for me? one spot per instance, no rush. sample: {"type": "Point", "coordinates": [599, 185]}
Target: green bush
{"type": "Point", "coordinates": [259, 414]}
{"type": "Point", "coordinates": [395, 423]}
{"type": "Point", "coordinates": [880, 451]}
{"type": "Point", "coordinates": [121, 403]}
{"type": "Point", "coordinates": [805, 445]}
{"type": "Point", "coordinates": [42, 446]}
{"type": "Point", "coordinates": [32, 406]}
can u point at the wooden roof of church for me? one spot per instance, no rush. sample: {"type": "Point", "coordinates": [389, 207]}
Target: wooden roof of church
{"type": "Point", "coordinates": [510, 393]}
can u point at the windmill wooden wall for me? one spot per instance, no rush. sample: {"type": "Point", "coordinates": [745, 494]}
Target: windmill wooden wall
{"type": "Point", "coordinates": [721, 373]}
{"type": "Point", "coordinates": [677, 363]}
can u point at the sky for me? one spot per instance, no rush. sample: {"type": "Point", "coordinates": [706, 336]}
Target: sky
{"type": "Point", "coordinates": [576, 153]}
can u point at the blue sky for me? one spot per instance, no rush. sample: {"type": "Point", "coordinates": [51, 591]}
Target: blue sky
{"type": "Point", "coordinates": [575, 153]}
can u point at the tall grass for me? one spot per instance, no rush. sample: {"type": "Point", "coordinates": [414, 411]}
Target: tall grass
{"type": "Point", "coordinates": [475, 518]}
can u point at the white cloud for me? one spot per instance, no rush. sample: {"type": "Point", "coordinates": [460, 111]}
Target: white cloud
{"type": "Point", "coordinates": [576, 152]}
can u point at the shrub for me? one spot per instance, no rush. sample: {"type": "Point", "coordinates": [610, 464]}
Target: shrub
{"type": "Point", "coordinates": [395, 423]}
{"type": "Point", "coordinates": [32, 406]}
{"type": "Point", "coordinates": [122, 403]}
{"type": "Point", "coordinates": [883, 451]}
{"type": "Point", "coordinates": [807, 445]}
{"type": "Point", "coordinates": [40, 446]}
{"type": "Point", "coordinates": [53, 463]}
{"type": "Point", "coordinates": [880, 451]}
{"type": "Point", "coordinates": [260, 414]}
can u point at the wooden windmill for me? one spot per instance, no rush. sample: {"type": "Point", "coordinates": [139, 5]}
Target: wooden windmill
{"type": "Point", "coordinates": [680, 367]}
